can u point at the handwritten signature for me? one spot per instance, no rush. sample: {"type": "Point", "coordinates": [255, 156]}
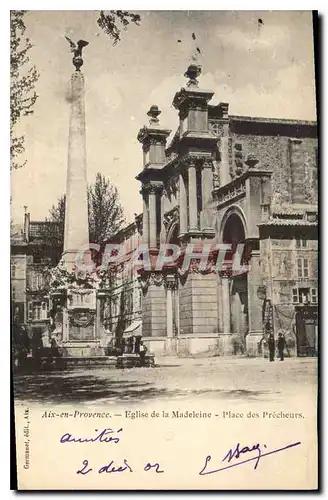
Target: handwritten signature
{"type": "Point", "coordinates": [238, 451]}
{"type": "Point", "coordinates": [104, 436]}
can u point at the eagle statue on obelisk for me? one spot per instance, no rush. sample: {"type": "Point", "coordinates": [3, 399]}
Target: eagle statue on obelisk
{"type": "Point", "coordinates": [76, 48]}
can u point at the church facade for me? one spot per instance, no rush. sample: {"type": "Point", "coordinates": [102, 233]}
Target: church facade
{"type": "Point", "coordinates": [239, 181]}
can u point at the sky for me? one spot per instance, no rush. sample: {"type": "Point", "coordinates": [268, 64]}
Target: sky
{"type": "Point", "coordinates": [259, 69]}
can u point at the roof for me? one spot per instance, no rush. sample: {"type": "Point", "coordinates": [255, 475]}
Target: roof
{"type": "Point", "coordinates": [16, 234]}
{"type": "Point", "coordinates": [282, 121]}
{"type": "Point", "coordinates": [287, 222]}
{"type": "Point", "coordinates": [133, 329]}
{"type": "Point", "coordinates": [36, 229]}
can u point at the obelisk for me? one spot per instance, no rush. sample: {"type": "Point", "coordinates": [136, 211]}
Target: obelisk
{"type": "Point", "coordinates": [76, 235]}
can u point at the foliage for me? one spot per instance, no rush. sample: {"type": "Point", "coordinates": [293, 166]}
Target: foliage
{"type": "Point", "coordinates": [22, 81]}
{"type": "Point", "coordinates": [105, 213]}
{"type": "Point", "coordinates": [113, 21]}
{"type": "Point", "coordinates": [105, 210]}
{"type": "Point", "coordinates": [53, 232]}
{"type": "Point", "coordinates": [62, 279]}
{"type": "Point", "coordinates": [23, 76]}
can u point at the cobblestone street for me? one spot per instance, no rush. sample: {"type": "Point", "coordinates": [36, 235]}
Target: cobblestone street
{"type": "Point", "coordinates": [234, 380]}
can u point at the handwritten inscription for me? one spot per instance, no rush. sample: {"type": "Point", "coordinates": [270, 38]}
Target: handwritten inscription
{"type": "Point", "coordinates": [104, 436]}
{"type": "Point", "coordinates": [233, 458]}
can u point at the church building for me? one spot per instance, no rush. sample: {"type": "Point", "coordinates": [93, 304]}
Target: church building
{"type": "Point", "coordinates": [235, 180]}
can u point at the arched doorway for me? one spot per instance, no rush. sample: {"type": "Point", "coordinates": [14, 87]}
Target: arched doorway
{"type": "Point", "coordinates": [234, 234]}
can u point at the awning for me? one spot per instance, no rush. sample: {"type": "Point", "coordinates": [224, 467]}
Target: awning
{"type": "Point", "coordinates": [133, 329]}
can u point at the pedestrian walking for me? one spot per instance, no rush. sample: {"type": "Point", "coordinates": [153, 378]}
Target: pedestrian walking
{"type": "Point", "coordinates": [281, 345]}
{"type": "Point", "coordinates": [271, 345]}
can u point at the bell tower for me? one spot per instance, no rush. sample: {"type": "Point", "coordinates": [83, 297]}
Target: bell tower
{"type": "Point", "coordinates": [196, 149]}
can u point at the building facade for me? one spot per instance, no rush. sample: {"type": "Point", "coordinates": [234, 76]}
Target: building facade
{"type": "Point", "coordinates": [121, 311]}
{"type": "Point", "coordinates": [234, 180]}
{"type": "Point", "coordinates": [34, 249]}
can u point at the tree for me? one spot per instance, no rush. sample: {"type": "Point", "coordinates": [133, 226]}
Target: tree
{"type": "Point", "coordinates": [53, 231]}
{"type": "Point", "coordinates": [113, 21]}
{"type": "Point", "coordinates": [105, 211]}
{"type": "Point", "coordinates": [22, 81]}
{"type": "Point", "coordinates": [106, 214]}
{"type": "Point", "coordinates": [23, 76]}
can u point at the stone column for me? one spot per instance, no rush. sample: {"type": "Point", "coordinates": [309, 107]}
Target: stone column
{"type": "Point", "coordinates": [220, 306]}
{"type": "Point", "coordinates": [76, 214]}
{"type": "Point", "coordinates": [169, 312]}
{"type": "Point", "coordinates": [207, 183]}
{"type": "Point", "coordinates": [192, 186]}
{"type": "Point", "coordinates": [163, 229]}
{"type": "Point", "coordinates": [206, 219]}
{"type": "Point", "coordinates": [254, 304]}
{"type": "Point", "coordinates": [183, 205]}
{"type": "Point", "coordinates": [224, 165]}
{"type": "Point", "coordinates": [170, 285]}
{"type": "Point", "coordinates": [176, 311]}
{"type": "Point", "coordinates": [226, 304]}
{"type": "Point", "coordinates": [152, 219]}
{"type": "Point", "coordinates": [145, 221]}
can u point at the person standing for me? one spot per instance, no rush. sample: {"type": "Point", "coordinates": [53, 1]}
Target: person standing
{"type": "Point", "coordinates": [271, 345]}
{"type": "Point", "coordinates": [142, 353]}
{"type": "Point", "coordinates": [281, 345]}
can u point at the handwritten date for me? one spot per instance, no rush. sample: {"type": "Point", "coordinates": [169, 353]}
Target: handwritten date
{"type": "Point", "coordinates": [112, 467]}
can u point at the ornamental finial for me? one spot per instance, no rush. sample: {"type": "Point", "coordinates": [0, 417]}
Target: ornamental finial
{"type": "Point", "coordinates": [251, 161]}
{"type": "Point", "coordinates": [193, 71]}
{"type": "Point", "coordinates": [153, 114]}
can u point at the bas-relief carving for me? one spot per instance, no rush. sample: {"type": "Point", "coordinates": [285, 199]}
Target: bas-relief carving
{"type": "Point", "coordinates": [170, 217]}
{"type": "Point", "coordinates": [149, 279]}
{"type": "Point", "coordinates": [232, 194]}
{"type": "Point", "coordinates": [172, 187]}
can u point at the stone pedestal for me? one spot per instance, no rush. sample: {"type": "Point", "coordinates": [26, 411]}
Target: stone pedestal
{"type": "Point", "coordinates": [154, 323]}
{"type": "Point", "coordinates": [198, 304]}
{"type": "Point", "coordinates": [80, 333]}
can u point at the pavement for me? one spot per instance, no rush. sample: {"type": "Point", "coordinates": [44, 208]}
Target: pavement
{"type": "Point", "coordinates": [229, 379]}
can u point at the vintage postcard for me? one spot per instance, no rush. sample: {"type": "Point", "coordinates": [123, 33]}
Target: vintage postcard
{"type": "Point", "coordinates": [164, 250]}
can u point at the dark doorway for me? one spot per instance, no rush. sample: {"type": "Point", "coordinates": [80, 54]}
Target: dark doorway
{"type": "Point", "coordinates": [307, 331]}
{"type": "Point", "coordinates": [234, 234]}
